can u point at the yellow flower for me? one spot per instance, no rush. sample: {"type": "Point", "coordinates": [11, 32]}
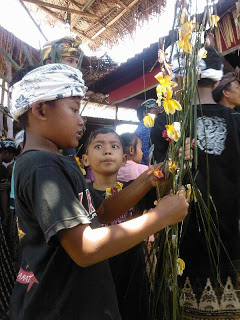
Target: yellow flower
{"type": "Point", "coordinates": [180, 266]}
{"type": "Point", "coordinates": [78, 161]}
{"type": "Point", "coordinates": [172, 167]}
{"type": "Point", "coordinates": [185, 33]}
{"type": "Point", "coordinates": [156, 172]}
{"type": "Point", "coordinates": [171, 105]}
{"type": "Point", "coordinates": [189, 191]}
{"type": "Point", "coordinates": [110, 191]}
{"type": "Point", "coordinates": [83, 171]}
{"type": "Point", "coordinates": [184, 44]}
{"type": "Point", "coordinates": [80, 166]}
{"type": "Point", "coordinates": [214, 20]}
{"type": "Point", "coordinates": [164, 83]}
{"type": "Point", "coordinates": [21, 234]}
{"type": "Point", "coordinates": [149, 120]}
{"type": "Point", "coordinates": [174, 131]}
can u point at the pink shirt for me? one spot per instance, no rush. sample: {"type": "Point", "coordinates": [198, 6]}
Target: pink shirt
{"type": "Point", "coordinates": [130, 171]}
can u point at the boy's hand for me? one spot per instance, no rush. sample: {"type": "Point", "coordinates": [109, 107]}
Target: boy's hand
{"type": "Point", "coordinates": [155, 174]}
{"type": "Point", "coordinates": [173, 208]}
{"type": "Point", "coordinates": [188, 151]}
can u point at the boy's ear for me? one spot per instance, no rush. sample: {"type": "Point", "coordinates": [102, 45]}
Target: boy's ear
{"type": "Point", "coordinates": [85, 160]}
{"type": "Point", "coordinates": [124, 159]}
{"type": "Point", "coordinates": [39, 110]}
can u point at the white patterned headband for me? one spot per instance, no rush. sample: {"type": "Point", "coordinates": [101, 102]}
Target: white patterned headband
{"type": "Point", "coordinates": [46, 83]}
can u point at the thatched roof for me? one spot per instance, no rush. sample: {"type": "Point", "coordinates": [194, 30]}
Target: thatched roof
{"type": "Point", "coordinates": [98, 22]}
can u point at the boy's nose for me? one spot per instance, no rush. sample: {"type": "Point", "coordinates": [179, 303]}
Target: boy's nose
{"type": "Point", "coordinates": [80, 120]}
{"type": "Point", "coordinates": [107, 151]}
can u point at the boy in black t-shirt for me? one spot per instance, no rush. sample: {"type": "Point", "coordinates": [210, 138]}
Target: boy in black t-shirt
{"type": "Point", "coordinates": [65, 273]}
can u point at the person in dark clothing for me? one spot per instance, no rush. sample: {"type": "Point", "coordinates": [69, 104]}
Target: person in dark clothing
{"type": "Point", "coordinates": [8, 150]}
{"type": "Point", "coordinates": [148, 106]}
{"type": "Point", "coordinates": [64, 272]}
{"type": "Point", "coordinates": [210, 282]}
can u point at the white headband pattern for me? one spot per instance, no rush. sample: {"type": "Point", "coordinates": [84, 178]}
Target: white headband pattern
{"type": "Point", "coordinates": [46, 83]}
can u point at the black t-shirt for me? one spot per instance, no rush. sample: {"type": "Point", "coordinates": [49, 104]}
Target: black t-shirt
{"type": "Point", "coordinates": [52, 194]}
{"type": "Point", "coordinates": [220, 152]}
{"type": "Point", "coordinates": [218, 163]}
{"type": "Point", "coordinates": [129, 271]}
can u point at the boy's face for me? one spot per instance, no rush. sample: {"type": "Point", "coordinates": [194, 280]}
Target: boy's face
{"type": "Point", "coordinates": [105, 154]}
{"type": "Point", "coordinates": [63, 123]}
{"type": "Point", "coordinates": [70, 61]}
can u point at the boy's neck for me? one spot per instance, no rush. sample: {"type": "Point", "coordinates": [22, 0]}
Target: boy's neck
{"type": "Point", "coordinates": [101, 182]}
{"type": "Point", "coordinates": [35, 142]}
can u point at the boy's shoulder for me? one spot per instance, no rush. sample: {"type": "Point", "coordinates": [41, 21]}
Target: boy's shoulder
{"type": "Point", "coordinates": [40, 157]}
{"type": "Point", "coordinates": [32, 160]}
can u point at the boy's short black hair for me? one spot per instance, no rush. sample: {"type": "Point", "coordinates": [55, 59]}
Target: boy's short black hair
{"type": "Point", "coordinates": [129, 140]}
{"type": "Point", "coordinates": [23, 120]}
{"type": "Point", "coordinates": [100, 131]}
{"type": "Point", "coordinates": [148, 104]}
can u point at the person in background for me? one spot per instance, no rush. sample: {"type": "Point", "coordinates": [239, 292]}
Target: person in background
{"type": "Point", "coordinates": [7, 269]}
{"type": "Point", "coordinates": [227, 92]}
{"type": "Point", "coordinates": [133, 149]}
{"type": "Point", "coordinates": [212, 251]}
{"type": "Point", "coordinates": [67, 51]}
{"type": "Point", "coordinates": [8, 150]}
{"type": "Point", "coordinates": [128, 268]}
{"type": "Point", "coordinates": [148, 106]}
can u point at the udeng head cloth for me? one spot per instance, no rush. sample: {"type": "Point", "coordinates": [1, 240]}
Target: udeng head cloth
{"type": "Point", "coordinates": [46, 83]}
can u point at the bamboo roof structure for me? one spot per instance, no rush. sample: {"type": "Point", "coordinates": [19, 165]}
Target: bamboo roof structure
{"type": "Point", "coordinates": [97, 22]}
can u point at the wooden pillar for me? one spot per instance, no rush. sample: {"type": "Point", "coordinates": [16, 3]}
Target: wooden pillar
{"type": "Point", "coordinates": [9, 120]}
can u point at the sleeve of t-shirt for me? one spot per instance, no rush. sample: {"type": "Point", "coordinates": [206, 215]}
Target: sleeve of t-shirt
{"type": "Point", "coordinates": [54, 199]}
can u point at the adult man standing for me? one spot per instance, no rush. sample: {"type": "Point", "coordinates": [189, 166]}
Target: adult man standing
{"type": "Point", "coordinates": [227, 92]}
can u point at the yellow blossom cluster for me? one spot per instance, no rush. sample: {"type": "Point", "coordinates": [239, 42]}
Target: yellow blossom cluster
{"type": "Point", "coordinates": [164, 93]}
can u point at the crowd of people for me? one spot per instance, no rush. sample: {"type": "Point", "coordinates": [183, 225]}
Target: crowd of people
{"type": "Point", "coordinates": [81, 253]}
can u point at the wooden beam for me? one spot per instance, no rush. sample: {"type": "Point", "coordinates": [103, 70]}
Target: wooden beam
{"type": "Point", "coordinates": [88, 4]}
{"type": "Point", "coordinates": [54, 6]}
{"type": "Point", "coordinates": [76, 4]}
{"type": "Point", "coordinates": [121, 13]}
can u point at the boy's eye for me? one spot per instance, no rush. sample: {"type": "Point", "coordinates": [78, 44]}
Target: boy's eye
{"type": "Point", "coordinates": [98, 146]}
{"type": "Point", "coordinates": [115, 146]}
{"type": "Point", "coordinates": [75, 110]}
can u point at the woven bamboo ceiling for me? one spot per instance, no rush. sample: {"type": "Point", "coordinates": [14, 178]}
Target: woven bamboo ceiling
{"type": "Point", "coordinates": [98, 22]}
